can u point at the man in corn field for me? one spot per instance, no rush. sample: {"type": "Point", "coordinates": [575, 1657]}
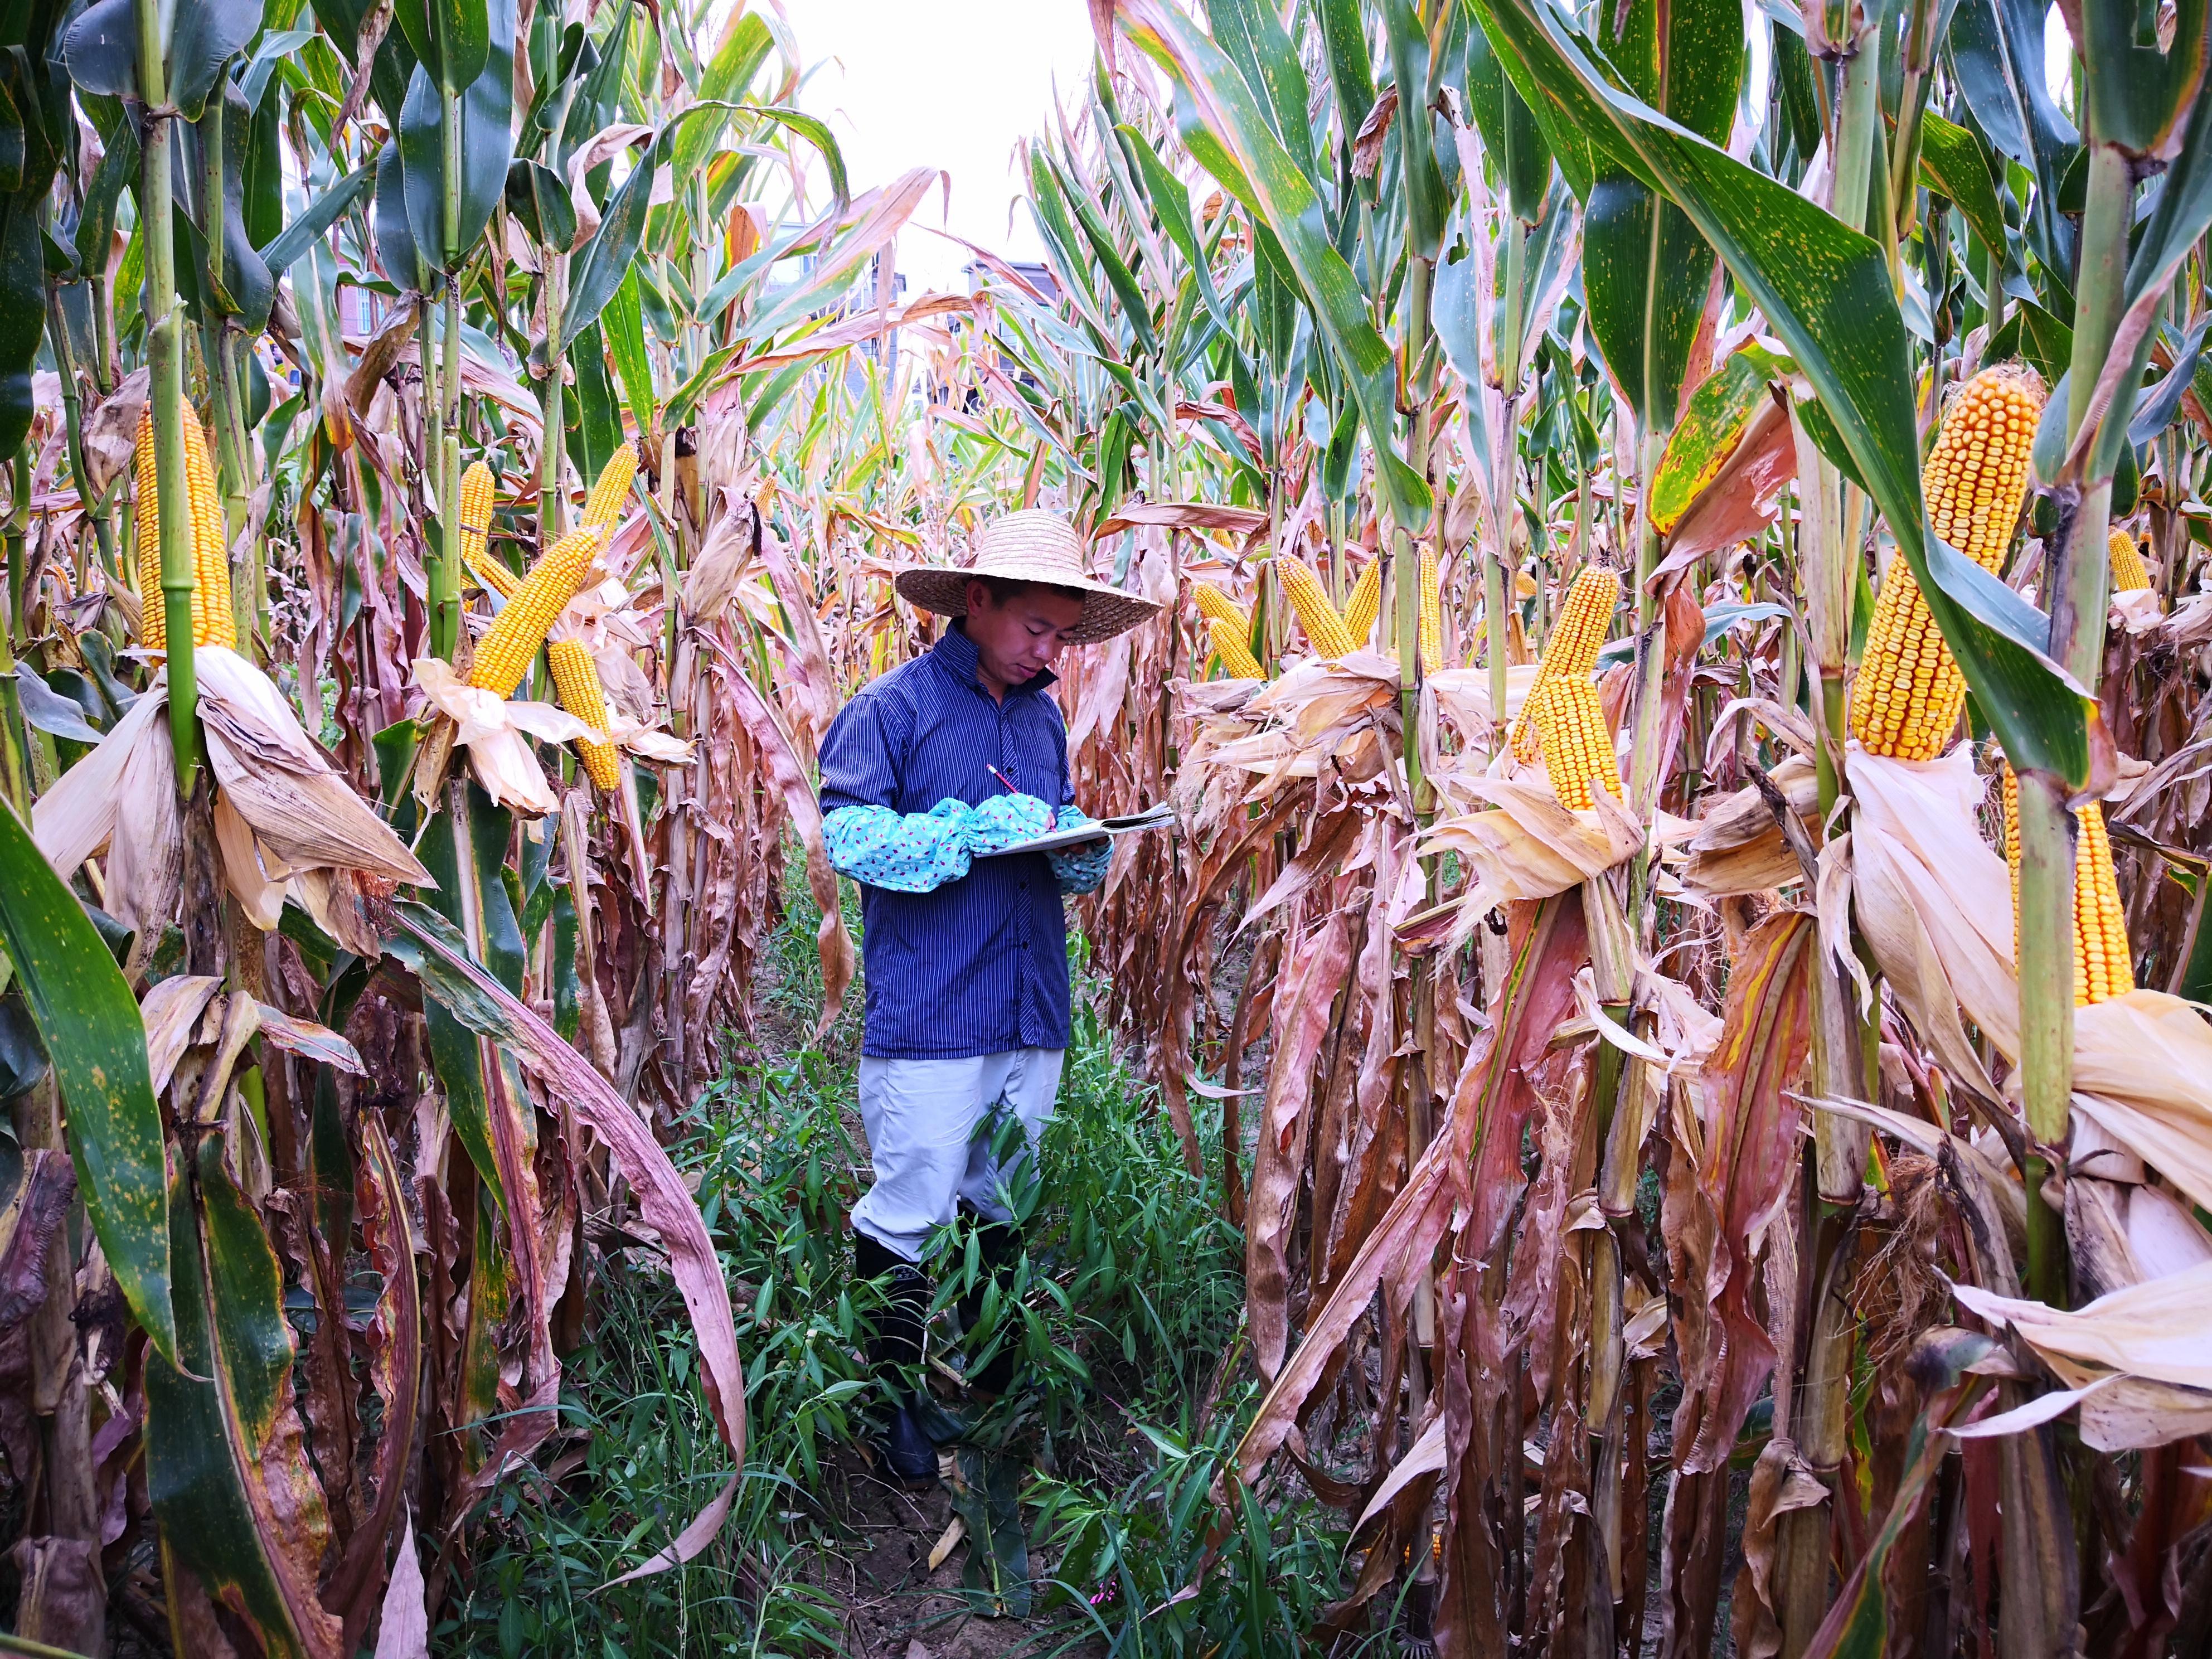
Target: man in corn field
{"type": "Point", "coordinates": [928, 775]}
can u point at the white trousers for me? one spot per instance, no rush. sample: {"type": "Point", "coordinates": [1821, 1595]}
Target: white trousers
{"type": "Point", "coordinates": [922, 1118]}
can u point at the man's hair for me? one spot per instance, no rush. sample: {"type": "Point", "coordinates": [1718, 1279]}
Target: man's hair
{"type": "Point", "coordinates": [1003, 588]}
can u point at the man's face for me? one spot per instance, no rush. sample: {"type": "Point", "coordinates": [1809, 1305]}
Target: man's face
{"type": "Point", "coordinates": [1017, 641]}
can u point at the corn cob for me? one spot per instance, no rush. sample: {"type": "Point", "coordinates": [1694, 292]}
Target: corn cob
{"type": "Point", "coordinates": [1432, 614]}
{"type": "Point", "coordinates": [520, 628]}
{"type": "Point", "coordinates": [576, 677]}
{"type": "Point", "coordinates": [211, 618]}
{"type": "Point", "coordinates": [1365, 603]}
{"type": "Point", "coordinates": [1571, 653]}
{"type": "Point", "coordinates": [1324, 629]}
{"type": "Point", "coordinates": [1577, 744]}
{"type": "Point", "coordinates": [1216, 606]}
{"type": "Point", "coordinates": [478, 490]}
{"type": "Point", "coordinates": [1229, 645]}
{"type": "Point", "coordinates": [1906, 700]}
{"type": "Point", "coordinates": [604, 504]}
{"type": "Point", "coordinates": [153, 618]}
{"type": "Point", "coordinates": [2103, 967]}
{"type": "Point", "coordinates": [2130, 573]}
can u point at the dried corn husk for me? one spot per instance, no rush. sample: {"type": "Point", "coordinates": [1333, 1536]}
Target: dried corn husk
{"type": "Point", "coordinates": [2135, 1361]}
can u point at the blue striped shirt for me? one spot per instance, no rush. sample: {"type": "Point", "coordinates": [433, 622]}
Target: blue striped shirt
{"type": "Point", "coordinates": [978, 966]}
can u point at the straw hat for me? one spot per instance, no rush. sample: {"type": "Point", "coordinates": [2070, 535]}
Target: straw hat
{"type": "Point", "coordinates": [1029, 547]}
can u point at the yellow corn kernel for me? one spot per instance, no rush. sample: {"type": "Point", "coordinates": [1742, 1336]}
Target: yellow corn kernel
{"type": "Point", "coordinates": [1229, 645]}
{"type": "Point", "coordinates": [576, 677]}
{"type": "Point", "coordinates": [1432, 614]}
{"type": "Point", "coordinates": [1907, 697]}
{"type": "Point", "coordinates": [1577, 746]}
{"type": "Point", "coordinates": [604, 504]}
{"type": "Point", "coordinates": [2130, 573]}
{"type": "Point", "coordinates": [477, 491]}
{"type": "Point", "coordinates": [212, 624]}
{"type": "Point", "coordinates": [2104, 967]}
{"type": "Point", "coordinates": [1216, 606]}
{"type": "Point", "coordinates": [1324, 629]}
{"type": "Point", "coordinates": [1364, 603]}
{"type": "Point", "coordinates": [516, 632]}
{"type": "Point", "coordinates": [153, 617]}
{"type": "Point", "coordinates": [1571, 651]}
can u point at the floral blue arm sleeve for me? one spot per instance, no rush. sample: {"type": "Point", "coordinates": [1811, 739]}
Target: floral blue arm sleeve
{"type": "Point", "coordinates": [1080, 869]}
{"type": "Point", "coordinates": [907, 853]}
{"type": "Point", "coordinates": [920, 852]}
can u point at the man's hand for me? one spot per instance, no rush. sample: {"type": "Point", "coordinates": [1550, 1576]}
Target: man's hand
{"type": "Point", "coordinates": [1082, 867]}
{"type": "Point", "coordinates": [1003, 821]}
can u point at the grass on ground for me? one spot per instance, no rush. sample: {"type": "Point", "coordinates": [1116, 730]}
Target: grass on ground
{"type": "Point", "coordinates": [1135, 1294]}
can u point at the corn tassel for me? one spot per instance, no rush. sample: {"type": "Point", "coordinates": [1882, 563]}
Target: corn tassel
{"type": "Point", "coordinates": [2130, 573]}
{"type": "Point", "coordinates": [478, 490]}
{"type": "Point", "coordinates": [212, 624]}
{"type": "Point", "coordinates": [1906, 700]}
{"type": "Point", "coordinates": [2103, 966]}
{"type": "Point", "coordinates": [604, 504]}
{"type": "Point", "coordinates": [1577, 744]}
{"type": "Point", "coordinates": [1432, 614]}
{"type": "Point", "coordinates": [1324, 629]}
{"type": "Point", "coordinates": [520, 628]}
{"type": "Point", "coordinates": [153, 619]}
{"type": "Point", "coordinates": [1571, 653]}
{"type": "Point", "coordinates": [576, 677]}
{"type": "Point", "coordinates": [1229, 645]}
{"type": "Point", "coordinates": [1364, 604]}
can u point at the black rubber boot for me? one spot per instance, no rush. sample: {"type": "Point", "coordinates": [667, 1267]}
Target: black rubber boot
{"type": "Point", "coordinates": [894, 1351]}
{"type": "Point", "coordinates": [1000, 1245]}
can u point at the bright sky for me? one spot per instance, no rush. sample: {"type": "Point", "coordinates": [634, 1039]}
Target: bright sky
{"type": "Point", "coordinates": [944, 83]}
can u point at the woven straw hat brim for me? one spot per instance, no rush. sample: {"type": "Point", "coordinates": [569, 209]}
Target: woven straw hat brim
{"type": "Point", "coordinates": [1035, 547]}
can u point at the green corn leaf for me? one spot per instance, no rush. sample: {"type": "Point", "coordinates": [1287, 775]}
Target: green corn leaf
{"type": "Point", "coordinates": [1418, 176]}
{"type": "Point", "coordinates": [728, 73]}
{"type": "Point", "coordinates": [96, 1044]}
{"type": "Point", "coordinates": [1128, 293]}
{"type": "Point", "coordinates": [1825, 291]}
{"type": "Point", "coordinates": [1171, 202]}
{"type": "Point", "coordinates": [1954, 163]}
{"type": "Point", "coordinates": [453, 38]}
{"type": "Point", "coordinates": [95, 225]}
{"type": "Point", "coordinates": [1220, 118]}
{"type": "Point", "coordinates": [322, 213]}
{"type": "Point", "coordinates": [597, 268]}
{"type": "Point", "coordinates": [486, 111]}
{"type": "Point", "coordinates": [226, 1466]}
{"type": "Point", "coordinates": [623, 324]}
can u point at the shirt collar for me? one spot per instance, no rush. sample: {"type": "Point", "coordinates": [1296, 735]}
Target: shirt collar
{"type": "Point", "coordinates": [958, 655]}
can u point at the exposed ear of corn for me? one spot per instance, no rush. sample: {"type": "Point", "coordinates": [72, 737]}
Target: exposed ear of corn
{"type": "Point", "coordinates": [211, 618]}
{"type": "Point", "coordinates": [1229, 645]}
{"type": "Point", "coordinates": [519, 629]}
{"type": "Point", "coordinates": [478, 490]}
{"type": "Point", "coordinates": [1907, 698]}
{"type": "Point", "coordinates": [604, 504]}
{"type": "Point", "coordinates": [1364, 603]}
{"type": "Point", "coordinates": [1577, 744]}
{"type": "Point", "coordinates": [576, 677]}
{"type": "Point", "coordinates": [153, 619]}
{"type": "Point", "coordinates": [1432, 614]}
{"type": "Point", "coordinates": [1216, 606]}
{"type": "Point", "coordinates": [212, 624]}
{"type": "Point", "coordinates": [1324, 629]}
{"type": "Point", "coordinates": [2130, 573]}
{"type": "Point", "coordinates": [2104, 967]}
{"type": "Point", "coordinates": [1571, 653]}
